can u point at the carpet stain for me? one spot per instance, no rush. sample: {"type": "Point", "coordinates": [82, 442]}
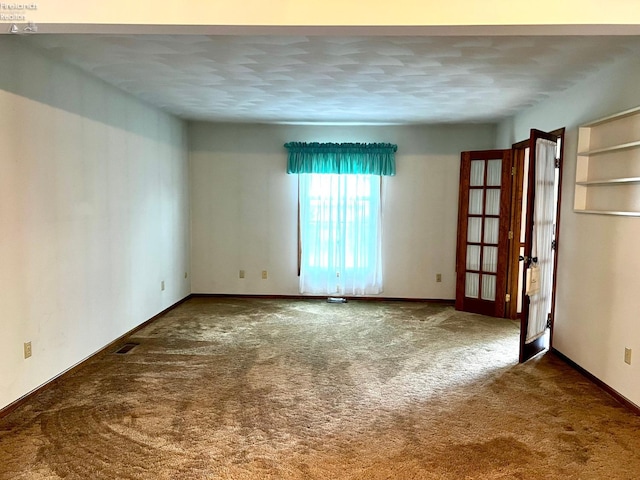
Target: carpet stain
{"type": "Point", "coordinates": [483, 458]}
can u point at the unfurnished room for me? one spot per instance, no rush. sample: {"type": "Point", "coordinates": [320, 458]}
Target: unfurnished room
{"type": "Point", "coordinates": [240, 247]}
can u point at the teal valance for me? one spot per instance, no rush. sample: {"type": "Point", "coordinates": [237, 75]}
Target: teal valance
{"type": "Point", "coordinates": [355, 158]}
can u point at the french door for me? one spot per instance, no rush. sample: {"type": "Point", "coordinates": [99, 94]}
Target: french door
{"type": "Point", "coordinates": [483, 229]}
{"type": "Point", "coordinates": [541, 212]}
{"type": "Point", "coordinates": [508, 218]}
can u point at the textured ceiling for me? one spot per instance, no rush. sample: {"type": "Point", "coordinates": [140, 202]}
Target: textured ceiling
{"type": "Point", "coordinates": [338, 79]}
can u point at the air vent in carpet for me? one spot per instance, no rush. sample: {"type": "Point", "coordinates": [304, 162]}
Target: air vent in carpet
{"type": "Point", "coordinates": [336, 300]}
{"type": "Point", "coordinates": [126, 348]}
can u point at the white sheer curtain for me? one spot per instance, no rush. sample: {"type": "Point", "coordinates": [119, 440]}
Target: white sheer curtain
{"type": "Point", "coordinates": [340, 234]}
{"type": "Point", "coordinates": [543, 218]}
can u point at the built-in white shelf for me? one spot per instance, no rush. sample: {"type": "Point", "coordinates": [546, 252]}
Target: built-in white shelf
{"type": "Point", "coordinates": [613, 148]}
{"type": "Point", "coordinates": [615, 116]}
{"type": "Point", "coordinates": [612, 181]}
{"type": "Point", "coordinates": [609, 212]}
{"type": "Point", "coordinates": [618, 136]}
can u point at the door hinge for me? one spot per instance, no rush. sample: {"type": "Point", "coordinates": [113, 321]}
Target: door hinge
{"type": "Point", "coordinates": [549, 320]}
{"type": "Point", "coordinates": [557, 163]}
{"type": "Point", "coordinates": [513, 170]}
{"type": "Point", "coordinates": [507, 297]}
{"type": "Point", "coordinates": [510, 235]}
{"type": "Point", "coordinates": [554, 245]}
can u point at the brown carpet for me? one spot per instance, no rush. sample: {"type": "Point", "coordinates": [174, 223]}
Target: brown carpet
{"type": "Point", "coordinates": [302, 389]}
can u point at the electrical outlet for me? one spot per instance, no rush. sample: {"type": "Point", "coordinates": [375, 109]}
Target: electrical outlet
{"type": "Point", "coordinates": [264, 274]}
{"type": "Point", "coordinates": [241, 275]}
{"type": "Point", "coordinates": [627, 356]}
{"type": "Point", "coordinates": [438, 277]}
{"type": "Point", "coordinates": [27, 349]}
{"type": "Point", "coordinates": [162, 285]}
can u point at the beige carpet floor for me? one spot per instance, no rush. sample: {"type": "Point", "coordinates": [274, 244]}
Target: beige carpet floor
{"type": "Point", "coordinates": [302, 389]}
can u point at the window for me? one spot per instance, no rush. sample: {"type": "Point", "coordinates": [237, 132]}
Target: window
{"type": "Point", "coordinates": [340, 234]}
{"type": "Point", "coordinates": [340, 217]}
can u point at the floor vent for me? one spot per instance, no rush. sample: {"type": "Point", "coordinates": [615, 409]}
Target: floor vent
{"type": "Point", "coordinates": [126, 348]}
{"type": "Point", "coordinates": [336, 300]}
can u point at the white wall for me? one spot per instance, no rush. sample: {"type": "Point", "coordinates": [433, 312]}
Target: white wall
{"type": "Point", "coordinates": [244, 205]}
{"type": "Point", "coordinates": [598, 291]}
{"type": "Point", "coordinates": [94, 215]}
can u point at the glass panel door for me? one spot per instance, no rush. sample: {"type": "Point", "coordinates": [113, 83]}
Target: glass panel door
{"type": "Point", "coordinates": [540, 217]}
{"type": "Point", "coordinates": [484, 193]}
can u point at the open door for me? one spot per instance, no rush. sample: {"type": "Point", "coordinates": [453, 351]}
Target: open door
{"type": "Point", "coordinates": [508, 223]}
{"type": "Point", "coordinates": [483, 231]}
{"type": "Point", "coordinates": [540, 214]}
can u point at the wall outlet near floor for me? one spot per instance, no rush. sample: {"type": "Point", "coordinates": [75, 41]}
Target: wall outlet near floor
{"type": "Point", "coordinates": [162, 285]}
{"type": "Point", "coordinates": [438, 277]}
{"type": "Point", "coordinates": [241, 274]}
{"type": "Point", "coordinates": [27, 349]}
{"type": "Point", "coordinates": [627, 356]}
{"type": "Point", "coordinates": [264, 274]}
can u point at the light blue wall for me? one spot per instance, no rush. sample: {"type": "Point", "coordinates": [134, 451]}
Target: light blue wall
{"type": "Point", "coordinates": [94, 215]}
{"type": "Point", "coordinates": [244, 205]}
{"type": "Point", "coordinates": [598, 289]}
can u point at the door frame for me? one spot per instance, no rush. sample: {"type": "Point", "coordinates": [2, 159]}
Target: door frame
{"type": "Point", "coordinates": [513, 270]}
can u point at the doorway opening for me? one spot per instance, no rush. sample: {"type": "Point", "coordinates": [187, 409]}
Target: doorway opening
{"type": "Point", "coordinates": [508, 225]}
